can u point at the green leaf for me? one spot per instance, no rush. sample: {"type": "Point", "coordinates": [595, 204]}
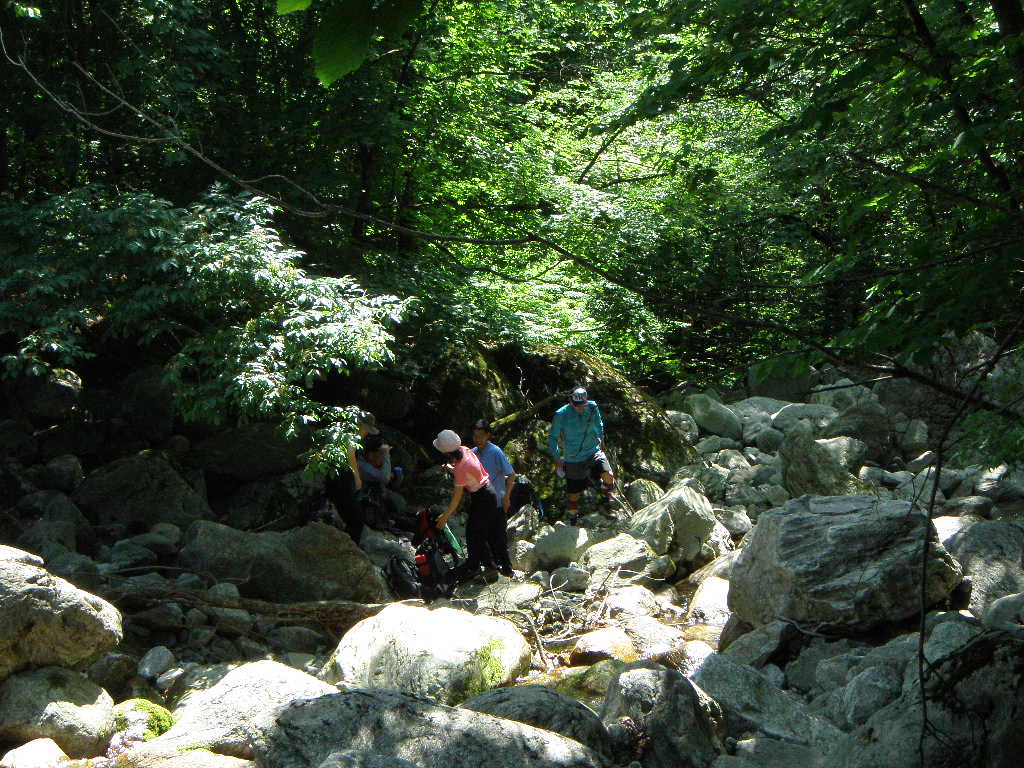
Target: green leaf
{"type": "Point", "coordinates": [288, 6]}
{"type": "Point", "coordinates": [342, 39]}
{"type": "Point", "coordinates": [394, 16]}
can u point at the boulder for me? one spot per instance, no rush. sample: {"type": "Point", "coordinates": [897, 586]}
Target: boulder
{"type": "Point", "coordinates": [15, 555]}
{"type": "Point", "coordinates": [846, 563]}
{"type": "Point", "coordinates": [58, 704]}
{"type": "Point", "coordinates": [867, 421]}
{"type": "Point", "coordinates": [361, 758]}
{"type": "Point", "coordinates": [631, 601]}
{"type": "Point", "coordinates": [713, 417]}
{"type": "Point", "coordinates": [446, 654]}
{"type": "Point", "coordinates": [1005, 613]}
{"type": "Point", "coordinates": [398, 725]}
{"type": "Point", "coordinates": [809, 467]}
{"type": "Point", "coordinates": [978, 690]}
{"type": "Point", "coordinates": [38, 753]}
{"type": "Point", "coordinates": [626, 560]}
{"type": "Point", "coordinates": [685, 425]}
{"type": "Point", "coordinates": [544, 708]}
{"type": "Point", "coordinates": [231, 714]}
{"type": "Point", "coordinates": [847, 451]}
{"type": "Point", "coordinates": [45, 399]}
{"type": "Point", "coordinates": [315, 562]}
{"type": "Point", "coordinates": [602, 644]}
{"type": "Point", "coordinates": [791, 416]}
{"type": "Point", "coordinates": [138, 491]}
{"type": "Point", "coordinates": [652, 639]}
{"type": "Point", "coordinates": [980, 506]}
{"type": "Point", "coordinates": [642, 492]}
{"type": "Point", "coordinates": [249, 452]}
{"type": "Point", "coordinates": [46, 620]}
{"type": "Point", "coordinates": [840, 394]}
{"type": "Point", "coordinates": [570, 578]}
{"type": "Point", "coordinates": [559, 546]}
{"type": "Point", "coordinates": [763, 645]}
{"type": "Point", "coordinates": [677, 524]}
{"type": "Point", "coordinates": [750, 701]}
{"type": "Point", "coordinates": [710, 603]}
{"type": "Point", "coordinates": [991, 553]}
{"type": "Point", "coordinates": [669, 721]}
{"type": "Point", "coordinates": [769, 439]}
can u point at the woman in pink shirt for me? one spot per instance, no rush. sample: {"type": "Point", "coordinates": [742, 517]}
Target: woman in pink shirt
{"type": "Point", "coordinates": [485, 527]}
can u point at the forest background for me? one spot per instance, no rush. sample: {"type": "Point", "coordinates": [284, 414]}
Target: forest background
{"type": "Point", "coordinates": [262, 196]}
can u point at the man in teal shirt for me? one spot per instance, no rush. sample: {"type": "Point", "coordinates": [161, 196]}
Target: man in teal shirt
{"type": "Point", "coordinates": [576, 441]}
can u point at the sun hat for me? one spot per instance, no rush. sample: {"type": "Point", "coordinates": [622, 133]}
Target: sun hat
{"type": "Point", "coordinates": [579, 395]}
{"type": "Point", "coordinates": [447, 441]}
{"type": "Point", "coordinates": [369, 423]}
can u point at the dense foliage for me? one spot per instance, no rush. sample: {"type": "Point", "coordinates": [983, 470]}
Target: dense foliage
{"type": "Point", "coordinates": [684, 187]}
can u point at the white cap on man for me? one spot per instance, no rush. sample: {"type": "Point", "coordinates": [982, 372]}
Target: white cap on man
{"type": "Point", "coordinates": [578, 396]}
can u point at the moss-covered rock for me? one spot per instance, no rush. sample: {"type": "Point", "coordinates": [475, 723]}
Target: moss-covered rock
{"type": "Point", "coordinates": [157, 719]}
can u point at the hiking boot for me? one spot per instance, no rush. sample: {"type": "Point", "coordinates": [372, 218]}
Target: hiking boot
{"type": "Point", "coordinates": [490, 575]}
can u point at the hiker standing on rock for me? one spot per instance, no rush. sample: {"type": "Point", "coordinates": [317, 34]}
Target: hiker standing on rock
{"type": "Point", "coordinates": [576, 441]}
{"type": "Point", "coordinates": [485, 525]}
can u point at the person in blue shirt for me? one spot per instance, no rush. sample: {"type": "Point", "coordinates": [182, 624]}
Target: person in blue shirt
{"type": "Point", "coordinates": [576, 442]}
{"type": "Point", "coordinates": [502, 476]}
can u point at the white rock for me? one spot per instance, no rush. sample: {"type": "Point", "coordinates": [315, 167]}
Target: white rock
{"type": "Point", "coordinates": [443, 653]}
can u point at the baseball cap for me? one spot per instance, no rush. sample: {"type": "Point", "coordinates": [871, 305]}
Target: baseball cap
{"type": "Point", "coordinates": [579, 395]}
{"type": "Point", "coordinates": [447, 441]}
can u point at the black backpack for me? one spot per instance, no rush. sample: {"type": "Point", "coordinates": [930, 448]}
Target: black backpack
{"type": "Point", "coordinates": [401, 577]}
{"type": "Point", "coordinates": [524, 493]}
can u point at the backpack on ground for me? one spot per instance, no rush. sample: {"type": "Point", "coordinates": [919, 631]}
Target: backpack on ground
{"type": "Point", "coordinates": [402, 578]}
{"type": "Point", "coordinates": [438, 554]}
{"type": "Point", "coordinates": [524, 493]}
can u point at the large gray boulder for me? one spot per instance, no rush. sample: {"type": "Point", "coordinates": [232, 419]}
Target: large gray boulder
{"type": "Point", "coordinates": [750, 701]}
{"type": "Point", "coordinates": [867, 421]}
{"type": "Point", "coordinates": [991, 553]}
{"type": "Point", "coordinates": [58, 704]}
{"type": "Point", "coordinates": [809, 467]}
{"type": "Point", "coordinates": [238, 709]}
{"type": "Point", "coordinates": [545, 708]}
{"type": "Point", "coordinates": [45, 620]}
{"type": "Point", "coordinates": [975, 706]}
{"type": "Point", "coordinates": [847, 563]}
{"type": "Point", "coordinates": [668, 718]}
{"type": "Point", "coordinates": [847, 451]}
{"type": "Point", "coordinates": [642, 492]}
{"type": "Point", "coordinates": [559, 546]}
{"type": "Point", "coordinates": [714, 417]}
{"type": "Point", "coordinates": [395, 724]}
{"type": "Point", "coordinates": [677, 524]}
{"type": "Point", "coordinates": [140, 490]}
{"type": "Point", "coordinates": [315, 562]}
{"type": "Point", "coordinates": [629, 559]}
{"type": "Point", "coordinates": [447, 654]}
{"type": "Point", "coordinates": [792, 416]}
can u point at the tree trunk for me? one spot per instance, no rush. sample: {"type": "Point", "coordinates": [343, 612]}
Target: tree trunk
{"type": "Point", "coordinates": [1010, 18]}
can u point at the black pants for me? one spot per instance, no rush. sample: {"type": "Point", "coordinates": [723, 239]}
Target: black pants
{"type": "Point", "coordinates": [485, 533]}
{"type": "Point", "coordinates": [341, 490]}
